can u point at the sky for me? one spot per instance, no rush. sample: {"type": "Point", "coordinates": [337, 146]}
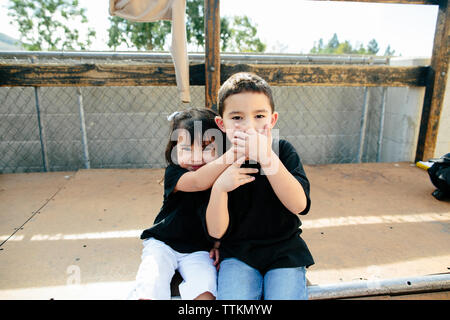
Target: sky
{"type": "Point", "coordinates": [293, 26]}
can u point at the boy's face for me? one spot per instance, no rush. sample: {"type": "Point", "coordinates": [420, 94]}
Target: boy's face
{"type": "Point", "coordinates": [246, 110]}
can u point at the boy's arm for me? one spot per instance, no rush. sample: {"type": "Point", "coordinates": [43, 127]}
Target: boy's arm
{"type": "Point", "coordinates": [204, 177]}
{"type": "Point", "coordinates": [286, 187]}
{"type": "Point", "coordinates": [217, 215]}
{"type": "Point", "coordinates": [217, 218]}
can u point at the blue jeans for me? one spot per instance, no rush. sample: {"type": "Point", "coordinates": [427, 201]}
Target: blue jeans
{"type": "Point", "coordinates": [239, 281]}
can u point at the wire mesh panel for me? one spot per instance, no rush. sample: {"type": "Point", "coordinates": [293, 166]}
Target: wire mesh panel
{"type": "Point", "coordinates": [321, 122]}
{"type": "Point", "coordinates": [127, 127]}
{"type": "Point", "coordinates": [60, 120]}
{"type": "Point", "coordinates": [20, 147]}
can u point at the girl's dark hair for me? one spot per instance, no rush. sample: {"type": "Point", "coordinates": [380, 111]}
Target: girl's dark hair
{"type": "Point", "coordinates": [185, 120]}
{"type": "Point", "coordinates": [243, 82]}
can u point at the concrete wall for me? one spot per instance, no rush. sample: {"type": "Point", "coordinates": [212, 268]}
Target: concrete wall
{"type": "Point", "coordinates": [402, 117]}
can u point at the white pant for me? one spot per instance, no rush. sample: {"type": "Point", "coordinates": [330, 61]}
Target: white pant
{"type": "Point", "coordinates": [159, 262]}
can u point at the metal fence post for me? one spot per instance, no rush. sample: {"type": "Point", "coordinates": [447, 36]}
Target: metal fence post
{"type": "Point", "coordinates": [362, 131]}
{"type": "Point", "coordinates": [41, 127]}
{"type": "Point", "coordinates": [42, 136]}
{"type": "Point", "coordinates": [84, 141]}
{"type": "Point", "coordinates": [382, 115]}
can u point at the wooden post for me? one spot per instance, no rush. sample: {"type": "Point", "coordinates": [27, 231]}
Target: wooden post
{"type": "Point", "coordinates": [435, 87]}
{"type": "Point", "coordinates": [212, 53]}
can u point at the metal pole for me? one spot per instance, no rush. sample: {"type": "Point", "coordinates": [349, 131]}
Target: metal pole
{"type": "Point", "coordinates": [362, 132]}
{"type": "Point", "coordinates": [430, 283]}
{"type": "Point", "coordinates": [42, 136]}
{"type": "Point", "coordinates": [382, 115]}
{"type": "Point", "coordinates": [84, 140]}
{"type": "Point", "coordinates": [200, 58]}
{"type": "Point", "coordinates": [41, 127]}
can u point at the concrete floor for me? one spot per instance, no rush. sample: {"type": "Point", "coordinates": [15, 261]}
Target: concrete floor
{"type": "Point", "coordinates": [75, 235]}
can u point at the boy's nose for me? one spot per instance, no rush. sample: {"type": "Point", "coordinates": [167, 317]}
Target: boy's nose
{"type": "Point", "coordinates": [245, 125]}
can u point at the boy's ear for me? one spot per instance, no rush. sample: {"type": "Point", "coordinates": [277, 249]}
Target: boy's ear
{"type": "Point", "coordinates": [219, 122]}
{"type": "Point", "coordinates": [274, 119]}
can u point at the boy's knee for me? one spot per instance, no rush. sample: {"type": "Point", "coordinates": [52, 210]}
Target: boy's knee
{"type": "Point", "coordinates": [205, 296]}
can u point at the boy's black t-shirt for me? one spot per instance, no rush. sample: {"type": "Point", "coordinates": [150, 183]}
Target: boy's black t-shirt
{"type": "Point", "coordinates": [179, 223]}
{"type": "Point", "coordinates": [262, 232]}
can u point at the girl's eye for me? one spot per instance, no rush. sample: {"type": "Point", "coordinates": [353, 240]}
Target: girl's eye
{"type": "Point", "coordinates": [236, 118]}
{"type": "Point", "coordinates": [211, 149]}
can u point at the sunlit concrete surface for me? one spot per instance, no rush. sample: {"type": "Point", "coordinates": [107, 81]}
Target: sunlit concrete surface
{"type": "Point", "coordinates": [75, 235]}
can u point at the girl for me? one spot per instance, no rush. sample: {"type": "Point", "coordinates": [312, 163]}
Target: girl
{"type": "Point", "coordinates": [178, 239]}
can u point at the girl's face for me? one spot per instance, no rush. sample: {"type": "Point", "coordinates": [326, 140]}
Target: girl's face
{"type": "Point", "coordinates": [193, 156]}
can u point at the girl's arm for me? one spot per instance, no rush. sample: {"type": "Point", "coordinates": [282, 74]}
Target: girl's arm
{"type": "Point", "coordinates": [204, 177]}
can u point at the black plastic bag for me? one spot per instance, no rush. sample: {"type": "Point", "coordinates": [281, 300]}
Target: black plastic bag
{"type": "Point", "coordinates": [439, 174]}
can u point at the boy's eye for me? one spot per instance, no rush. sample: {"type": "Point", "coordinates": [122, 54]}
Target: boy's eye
{"type": "Point", "coordinates": [260, 116]}
{"type": "Point", "coordinates": [236, 118]}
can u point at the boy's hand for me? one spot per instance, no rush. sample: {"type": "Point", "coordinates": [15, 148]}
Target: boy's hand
{"type": "Point", "coordinates": [234, 176]}
{"type": "Point", "coordinates": [238, 143]}
{"type": "Point", "coordinates": [256, 145]}
{"type": "Point", "coordinates": [260, 145]}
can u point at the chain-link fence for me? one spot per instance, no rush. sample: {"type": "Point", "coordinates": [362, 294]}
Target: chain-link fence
{"type": "Point", "coordinates": [69, 128]}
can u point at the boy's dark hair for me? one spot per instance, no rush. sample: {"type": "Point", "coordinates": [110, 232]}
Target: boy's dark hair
{"type": "Point", "coordinates": [185, 120]}
{"type": "Point", "coordinates": [243, 82]}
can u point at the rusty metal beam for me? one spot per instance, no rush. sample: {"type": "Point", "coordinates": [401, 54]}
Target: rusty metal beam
{"type": "Point", "coordinates": [435, 86]}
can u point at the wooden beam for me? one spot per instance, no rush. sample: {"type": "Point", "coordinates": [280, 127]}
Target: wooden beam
{"type": "Point", "coordinates": [435, 86]}
{"type": "Point", "coordinates": [49, 75]}
{"type": "Point", "coordinates": [212, 53]}
{"type": "Point", "coordinates": [432, 2]}
{"type": "Point", "coordinates": [57, 75]}
{"type": "Point", "coordinates": [325, 75]}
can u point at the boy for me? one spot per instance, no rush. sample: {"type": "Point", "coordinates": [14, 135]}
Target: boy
{"type": "Point", "coordinates": [256, 217]}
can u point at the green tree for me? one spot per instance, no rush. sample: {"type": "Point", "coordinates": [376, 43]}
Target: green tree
{"type": "Point", "coordinates": [144, 35]}
{"type": "Point", "coordinates": [389, 51]}
{"type": "Point", "coordinates": [344, 48]}
{"type": "Point", "coordinates": [372, 47]}
{"type": "Point", "coordinates": [242, 37]}
{"type": "Point", "coordinates": [335, 47]}
{"type": "Point", "coordinates": [318, 48]}
{"type": "Point", "coordinates": [333, 44]}
{"type": "Point", "coordinates": [50, 24]}
{"type": "Point", "coordinates": [236, 33]}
